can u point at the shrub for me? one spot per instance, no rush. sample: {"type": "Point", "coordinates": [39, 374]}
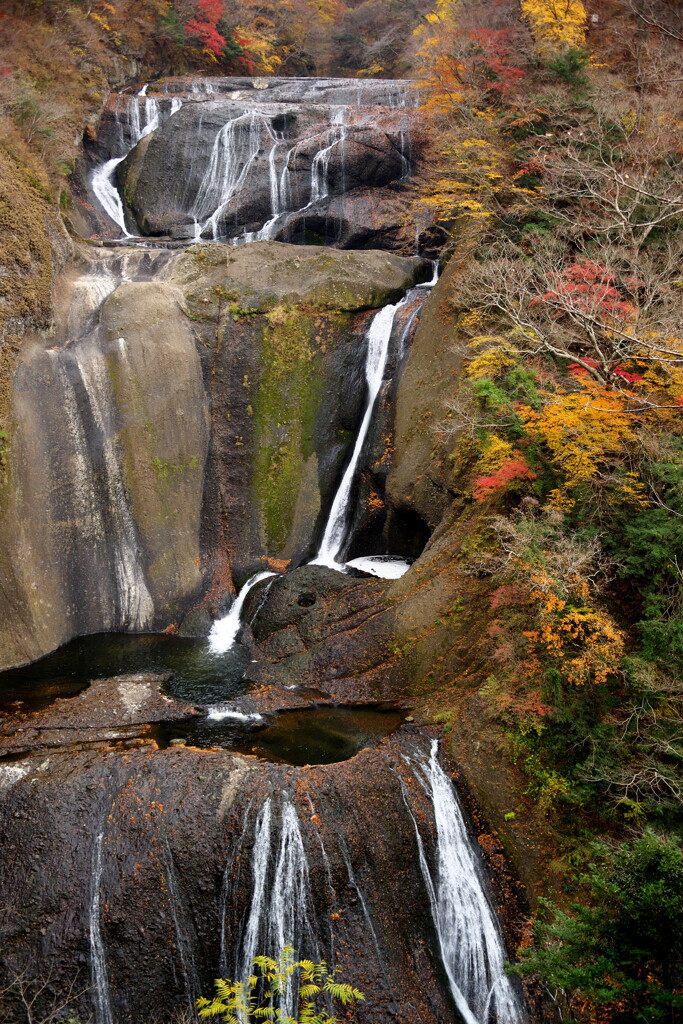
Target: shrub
{"type": "Point", "coordinates": [624, 951]}
{"type": "Point", "coordinates": [257, 999]}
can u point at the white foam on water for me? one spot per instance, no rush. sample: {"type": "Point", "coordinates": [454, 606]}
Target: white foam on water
{"type": "Point", "coordinates": [224, 631]}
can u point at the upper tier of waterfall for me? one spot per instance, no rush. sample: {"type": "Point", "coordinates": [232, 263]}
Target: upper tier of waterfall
{"type": "Point", "coordinates": [389, 92]}
{"type": "Point", "coordinates": [292, 159]}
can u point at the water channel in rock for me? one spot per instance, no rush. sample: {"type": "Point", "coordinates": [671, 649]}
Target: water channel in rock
{"type": "Point", "coordinates": [313, 735]}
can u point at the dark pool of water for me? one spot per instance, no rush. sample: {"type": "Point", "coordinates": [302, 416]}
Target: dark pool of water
{"type": "Point", "coordinates": [198, 675]}
{"type": "Point", "coordinates": [318, 735]}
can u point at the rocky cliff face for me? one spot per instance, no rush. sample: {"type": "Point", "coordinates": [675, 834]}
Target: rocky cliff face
{"type": "Point", "coordinates": [188, 419]}
{"type": "Point", "coordinates": [184, 424]}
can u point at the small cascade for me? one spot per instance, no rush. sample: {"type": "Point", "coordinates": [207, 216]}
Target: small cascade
{"type": "Point", "coordinates": [470, 940]}
{"type": "Point", "coordinates": [89, 292]}
{"type": "Point", "coordinates": [98, 964]}
{"type": "Point", "coordinates": [235, 149]}
{"type": "Point", "coordinates": [224, 631]}
{"type": "Point", "coordinates": [103, 182]}
{"type": "Point", "coordinates": [407, 333]}
{"type": "Point", "coordinates": [228, 887]}
{"type": "Point", "coordinates": [107, 194]}
{"type": "Point", "coordinates": [281, 910]}
{"type": "Point", "coordinates": [184, 944]}
{"type": "Point", "coordinates": [379, 335]}
{"type": "Point", "coordinates": [434, 278]}
{"type": "Point", "coordinates": [135, 605]}
{"type": "Point", "coordinates": [320, 185]}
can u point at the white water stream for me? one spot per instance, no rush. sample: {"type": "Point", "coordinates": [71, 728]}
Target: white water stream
{"type": "Point", "coordinates": [470, 940]}
{"type": "Point", "coordinates": [98, 964]}
{"type": "Point", "coordinates": [281, 911]}
{"type": "Point", "coordinates": [103, 182]}
{"type": "Point", "coordinates": [378, 337]}
{"type": "Point", "coordinates": [136, 607]}
{"type": "Point", "coordinates": [224, 631]}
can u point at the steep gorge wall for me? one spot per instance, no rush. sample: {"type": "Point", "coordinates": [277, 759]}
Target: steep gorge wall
{"type": "Point", "coordinates": [171, 439]}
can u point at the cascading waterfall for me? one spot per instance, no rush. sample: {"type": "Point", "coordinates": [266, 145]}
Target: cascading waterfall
{"type": "Point", "coordinates": [98, 964]}
{"type": "Point", "coordinates": [320, 185]}
{"type": "Point", "coordinates": [378, 336]}
{"type": "Point", "coordinates": [470, 940]}
{"type": "Point", "coordinates": [366, 914]}
{"type": "Point", "coordinates": [224, 631]}
{"type": "Point", "coordinates": [103, 180]}
{"type": "Point", "coordinates": [227, 888]}
{"type": "Point", "coordinates": [232, 156]}
{"type": "Point", "coordinates": [281, 910]}
{"type": "Point", "coordinates": [183, 942]}
{"type": "Point", "coordinates": [135, 606]}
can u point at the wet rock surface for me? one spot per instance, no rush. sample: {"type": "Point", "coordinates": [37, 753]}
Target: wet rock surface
{"type": "Point", "coordinates": [190, 418]}
{"type": "Point", "coordinates": [165, 840]}
{"type": "Point", "coordinates": [108, 710]}
{"type": "Point", "coordinates": [172, 179]}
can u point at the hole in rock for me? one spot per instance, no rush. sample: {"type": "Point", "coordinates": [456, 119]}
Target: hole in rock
{"type": "Point", "coordinates": [283, 122]}
{"type": "Point", "coordinates": [407, 533]}
{"type": "Point", "coordinates": [198, 675]}
{"type": "Point", "coordinates": [306, 600]}
{"type": "Point", "coordinates": [317, 735]}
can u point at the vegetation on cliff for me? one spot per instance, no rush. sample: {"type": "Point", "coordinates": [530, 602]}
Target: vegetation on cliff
{"type": "Point", "coordinates": [257, 998]}
{"type": "Point", "coordinates": [559, 176]}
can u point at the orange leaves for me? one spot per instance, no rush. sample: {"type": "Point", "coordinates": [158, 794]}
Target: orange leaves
{"type": "Point", "coordinates": [584, 431]}
{"type": "Point", "coordinates": [585, 645]}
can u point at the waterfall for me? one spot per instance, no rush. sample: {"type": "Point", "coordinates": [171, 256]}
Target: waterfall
{"type": "Point", "coordinates": [103, 182]}
{"type": "Point", "coordinates": [378, 336]}
{"type": "Point", "coordinates": [232, 156]}
{"type": "Point", "coordinates": [98, 965]}
{"type": "Point", "coordinates": [228, 888]}
{"type": "Point", "coordinates": [224, 631]}
{"type": "Point", "coordinates": [107, 194]}
{"type": "Point", "coordinates": [87, 296]}
{"type": "Point", "coordinates": [183, 944]}
{"type": "Point", "coordinates": [281, 910]}
{"type": "Point", "coordinates": [320, 186]}
{"type": "Point", "coordinates": [136, 607]}
{"type": "Point", "coordinates": [434, 278]}
{"type": "Point", "coordinates": [470, 940]}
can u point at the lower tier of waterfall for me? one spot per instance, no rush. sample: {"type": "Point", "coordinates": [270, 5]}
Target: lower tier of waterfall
{"type": "Point", "coordinates": [292, 876]}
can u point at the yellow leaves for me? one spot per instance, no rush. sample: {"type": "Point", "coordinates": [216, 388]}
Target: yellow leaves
{"type": "Point", "coordinates": [496, 357]}
{"type": "Point", "coordinates": [587, 643]}
{"type": "Point", "coordinates": [581, 430]}
{"type": "Point", "coordinates": [557, 25]}
{"type": "Point", "coordinates": [472, 208]}
{"type": "Point", "coordinates": [495, 452]}
{"type": "Point", "coordinates": [558, 501]}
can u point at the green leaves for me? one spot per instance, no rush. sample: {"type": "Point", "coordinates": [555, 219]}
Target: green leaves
{"type": "Point", "coordinates": [624, 952]}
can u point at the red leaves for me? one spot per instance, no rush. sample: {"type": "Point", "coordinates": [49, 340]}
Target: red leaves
{"type": "Point", "coordinates": [491, 60]}
{"type": "Point", "coordinates": [591, 288]}
{"type": "Point", "coordinates": [577, 370]}
{"type": "Point", "coordinates": [511, 471]}
{"type": "Point", "coordinates": [204, 27]}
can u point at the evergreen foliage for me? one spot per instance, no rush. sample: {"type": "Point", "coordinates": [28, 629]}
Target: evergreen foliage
{"type": "Point", "coordinates": [623, 948]}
